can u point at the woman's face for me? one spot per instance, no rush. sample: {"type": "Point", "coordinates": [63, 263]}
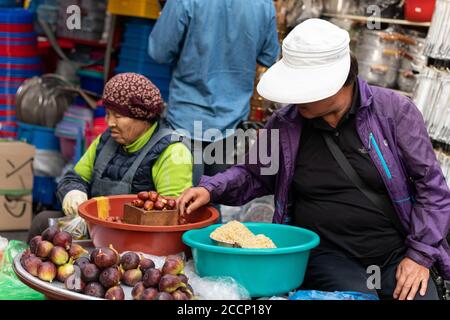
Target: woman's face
{"type": "Point", "coordinates": [125, 130]}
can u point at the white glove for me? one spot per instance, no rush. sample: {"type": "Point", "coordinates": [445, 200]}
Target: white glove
{"type": "Point", "coordinates": [72, 200]}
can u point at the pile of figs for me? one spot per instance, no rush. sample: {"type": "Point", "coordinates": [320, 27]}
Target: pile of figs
{"type": "Point", "coordinates": [153, 201]}
{"type": "Point", "coordinates": [53, 256]}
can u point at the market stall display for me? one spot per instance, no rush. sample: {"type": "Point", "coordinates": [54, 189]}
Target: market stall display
{"type": "Point", "coordinates": [438, 41]}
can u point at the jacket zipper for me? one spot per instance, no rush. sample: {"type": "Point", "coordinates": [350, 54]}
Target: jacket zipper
{"type": "Point", "coordinates": [380, 155]}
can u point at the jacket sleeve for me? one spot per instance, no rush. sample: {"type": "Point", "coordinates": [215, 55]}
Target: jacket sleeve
{"type": "Point", "coordinates": [245, 182]}
{"type": "Point", "coordinates": [167, 36]}
{"type": "Point", "coordinates": [79, 178]}
{"type": "Point", "coordinates": [271, 48]}
{"type": "Point", "coordinates": [431, 211]}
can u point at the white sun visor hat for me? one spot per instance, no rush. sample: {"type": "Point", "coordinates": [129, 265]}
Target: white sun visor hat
{"type": "Point", "coordinates": [314, 66]}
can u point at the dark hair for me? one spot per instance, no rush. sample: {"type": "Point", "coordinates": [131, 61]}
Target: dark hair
{"type": "Point", "coordinates": [353, 73]}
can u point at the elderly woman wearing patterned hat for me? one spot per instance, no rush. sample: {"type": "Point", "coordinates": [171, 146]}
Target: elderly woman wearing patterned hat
{"type": "Point", "coordinates": [137, 153]}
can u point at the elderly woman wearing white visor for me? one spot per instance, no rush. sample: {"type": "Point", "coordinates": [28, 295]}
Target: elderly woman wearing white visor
{"type": "Point", "coordinates": [356, 166]}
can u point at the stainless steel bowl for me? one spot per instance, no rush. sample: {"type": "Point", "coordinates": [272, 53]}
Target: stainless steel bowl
{"type": "Point", "coordinates": [378, 74]}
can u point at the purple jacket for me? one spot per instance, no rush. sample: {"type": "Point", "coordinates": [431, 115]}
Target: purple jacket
{"type": "Point", "coordinates": [392, 129]}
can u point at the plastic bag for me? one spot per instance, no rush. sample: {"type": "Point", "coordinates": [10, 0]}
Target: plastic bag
{"type": "Point", "coordinates": [11, 288]}
{"type": "Point", "coordinates": [75, 225]}
{"type": "Point", "coordinates": [336, 295]}
{"type": "Point", "coordinates": [214, 288]}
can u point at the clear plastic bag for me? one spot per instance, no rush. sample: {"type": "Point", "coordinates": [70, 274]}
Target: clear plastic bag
{"type": "Point", "coordinates": [75, 225]}
{"type": "Point", "coordinates": [11, 288]}
{"type": "Point", "coordinates": [214, 288]}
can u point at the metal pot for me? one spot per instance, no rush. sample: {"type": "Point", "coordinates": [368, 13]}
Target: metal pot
{"type": "Point", "coordinates": [339, 6]}
{"type": "Point", "coordinates": [378, 55]}
{"type": "Point", "coordinates": [379, 39]}
{"type": "Point", "coordinates": [378, 74]}
{"type": "Point", "coordinates": [406, 80]}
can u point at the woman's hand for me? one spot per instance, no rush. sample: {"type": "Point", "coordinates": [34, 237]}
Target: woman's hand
{"type": "Point", "coordinates": [192, 199]}
{"type": "Point", "coordinates": [410, 275]}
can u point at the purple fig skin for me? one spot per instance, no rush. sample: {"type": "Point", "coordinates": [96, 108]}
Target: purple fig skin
{"type": "Point", "coordinates": [130, 260]}
{"type": "Point", "coordinates": [183, 278]}
{"type": "Point", "coordinates": [115, 293]}
{"type": "Point", "coordinates": [74, 283]}
{"type": "Point", "coordinates": [59, 256]}
{"type": "Point", "coordinates": [44, 248]}
{"type": "Point", "coordinates": [90, 273]}
{"type": "Point", "coordinates": [64, 272]}
{"type": "Point", "coordinates": [149, 294]}
{"type": "Point", "coordinates": [180, 295]}
{"type": "Point", "coordinates": [63, 239]}
{"type": "Point", "coordinates": [47, 271]}
{"type": "Point", "coordinates": [137, 291]}
{"type": "Point", "coordinates": [26, 254]}
{"type": "Point", "coordinates": [169, 283]}
{"type": "Point", "coordinates": [188, 290]}
{"type": "Point", "coordinates": [163, 296]}
{"type": "Point", "coordinates": [105, 258]}
{"type": "Point", "coordinates": [82, 261]}
{"type": "Point", "coordinates": [110, 277]}
{"type": "Point", "coordinates": [34, 244]}
{"type": "Point", "coordinates": [131, 277]}
{"type": "Point", "coordinates": [146, 264]}
{"type": "Point", "coordinates": [32, 264]}
{"type": "Point", "coordinates": [172, 266]}
{"type": "Point", "coordinates": [94, 254]}
{"type": "Point", "coordinates": [49, 233]}
{"type": "Point", "coordinates": [76, 251]}
{"type": "Point", "coordinates": [94, 289]}
{"type": "Point", "coordinates": [152, 277]}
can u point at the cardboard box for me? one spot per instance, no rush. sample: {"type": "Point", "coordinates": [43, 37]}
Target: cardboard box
{"type": "Point", "coordinates": [16, 185]}
{"type": "Point", "coordinates": [15, 212]}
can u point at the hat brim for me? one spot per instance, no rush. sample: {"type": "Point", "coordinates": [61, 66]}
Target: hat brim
{"type": "Point", "coordinates": [284, 84]}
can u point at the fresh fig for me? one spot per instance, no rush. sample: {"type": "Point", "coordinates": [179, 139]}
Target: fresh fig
{"type": "Point", "coordinates": [59, 256]}
{"type": "Point", "coordinates": [153, 196]}
{"type": "Point", "coordinates": [105, 258]}
{"type": "Point", "coordinates": [110, 277]}
{"type": "Point", "coordinates": [82, 261]}
{"type": "Point", "coordinates": [183, 278]}
{"type": "Point", "coordinates": [137, 291]}
{"type": "Point", "coordinates": [63, 239]}
{"type": "Point", "coordinates": [65, 271]}
{"type": "Point", "coordinates": [77, 251]}
{"type": "Point", "coordinates": [47, 271]}
{"type": "Point", "coordinates": [74, 282]}
{"type": "Point", "coordinates": [44, 248]}
{"type": "Point", "coordinates": [148, 205]}
{"type": "Point", "coordinates": [163, 296]}
{"type": "Point", "coordinates": [130, 260]}
{"type": "Point", "coordinates": [49, 233]}
{"type": "Point", "coordinates": [169, 283]}
{"type": "Point", "coordinates": [158, 205]}
{"type": "Point", "coordinates": [143, 195]}
{"type": "Point", "coordinates": [31, 264]}
{"type": "Point", "coordinates": [94, 253]}
{"type": "Point", "coordinates": [173, 266]}
{"type": "Point", "coordinates": [180, 295]}
{"type": "Point", "coordinates": [151, 277]}
{"type": "Point", "coordinates": [149, 294]}
{"type": "Point", "coordinates": [115, 293]}
{"type": "Point", "coordinates": [131, 277]}
{"type": "Point", "coordinates": [90, 272]}
{"type": "Point", "coordinates": [34, 244]}
{"type": "Point", "coordinates": [138, 203]}
{"type": "Point", "coordinates": [94, 289]}
{"type": "Point", "coordinates": [171, 204]}
{"type": "Point", "coordinates": [146, 264]}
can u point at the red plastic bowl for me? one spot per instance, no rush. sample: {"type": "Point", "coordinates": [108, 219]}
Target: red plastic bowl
{"type": "Point", "coordinates": [419, 10]}
{"type": "Point", "coordinates": [156, 240]}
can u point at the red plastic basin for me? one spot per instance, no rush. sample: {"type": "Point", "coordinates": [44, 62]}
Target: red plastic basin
{"type": "Point", "coordinates": [156, 240]}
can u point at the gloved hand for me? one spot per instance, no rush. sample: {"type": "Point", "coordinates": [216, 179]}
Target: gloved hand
{"type": "Point", "coordinates": [72, 200]}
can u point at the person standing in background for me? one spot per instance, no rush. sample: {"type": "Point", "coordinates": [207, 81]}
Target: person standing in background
{"type": "Point", "coordinates": [214, 47]}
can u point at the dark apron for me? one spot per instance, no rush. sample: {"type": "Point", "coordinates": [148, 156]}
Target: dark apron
{"type": "Point", "coordinates": [105, 186]}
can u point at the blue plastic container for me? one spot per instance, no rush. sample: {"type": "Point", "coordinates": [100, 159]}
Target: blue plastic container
{"type": "Point", "coordinates": [15, 15]}
{"type": "Point", "coordinates": [14, 60]}
{"type": "Point", "coordinates": [263, 272]}
{"type": "Point", "coordinates": [19, 73]}
{"type": "Point", "coordinates": [42, 138]}
{"type": "Point", "coordinates": [44, 190]}
{"type": "Point", "coordinates": [91, 81]}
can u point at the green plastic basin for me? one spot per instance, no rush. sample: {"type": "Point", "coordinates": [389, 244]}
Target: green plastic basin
{"type": "Point", "coordinates": [263, 272]}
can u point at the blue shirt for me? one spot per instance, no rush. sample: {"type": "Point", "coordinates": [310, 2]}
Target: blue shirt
{"type": "Point", "coordinates": [214, 46]}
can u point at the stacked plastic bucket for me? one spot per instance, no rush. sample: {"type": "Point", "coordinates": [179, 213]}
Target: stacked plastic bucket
{"type": "Point", "coordinates": [134, 56]}
{"type": "Point", "coordinates": [18, 61]}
